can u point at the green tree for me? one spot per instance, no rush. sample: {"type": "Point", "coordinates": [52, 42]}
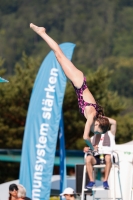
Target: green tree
{"type": "Point", "coordinates": [14, 100]}
{"type": "Point", "coordinates": [121, 79]}
{"type": "Point", "coordinates": [124, 128]}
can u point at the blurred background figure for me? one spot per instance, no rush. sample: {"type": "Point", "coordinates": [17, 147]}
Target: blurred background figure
{"type": "Point", "coordinates": [22, 193]}
{"type": "Point", "coordinates": [69, 194]}
{"type": "Point", "coordinates": [13, 192]}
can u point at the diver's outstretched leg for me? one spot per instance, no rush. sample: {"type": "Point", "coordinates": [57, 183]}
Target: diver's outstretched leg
{"type": "Point", "coordinates": [72, 73]}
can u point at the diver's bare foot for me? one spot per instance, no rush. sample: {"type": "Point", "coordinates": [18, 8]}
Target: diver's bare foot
{"type": "Point", "coordinates": [37, 29]}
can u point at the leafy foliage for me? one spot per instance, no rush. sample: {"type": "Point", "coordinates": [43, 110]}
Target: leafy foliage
{"type": "Point", "coordinates": [124, 129]}
{"type": "Point", "coordinates": [14, 100]}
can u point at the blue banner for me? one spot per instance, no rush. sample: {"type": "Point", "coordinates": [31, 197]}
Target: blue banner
{"type": "Point", "coordinates": [63, 180]}
{"type": "Point", "coordinates": [42, 124]}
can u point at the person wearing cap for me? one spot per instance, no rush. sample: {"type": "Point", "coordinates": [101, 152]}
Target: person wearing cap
{"type": "Point", "coordinates": [68, 193]}
{"type": "Point", "coordinates": [13, 192]}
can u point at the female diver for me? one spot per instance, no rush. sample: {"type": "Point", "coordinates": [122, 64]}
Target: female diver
{"type": "Point", "coordinates": [95, 120]}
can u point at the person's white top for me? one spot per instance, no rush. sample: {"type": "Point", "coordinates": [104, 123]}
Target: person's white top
{"type": "Point", "coordinates": [106, 149]}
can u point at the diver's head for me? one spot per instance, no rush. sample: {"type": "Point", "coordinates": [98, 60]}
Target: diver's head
{"type": "Point", "coordinates": [100, 125]}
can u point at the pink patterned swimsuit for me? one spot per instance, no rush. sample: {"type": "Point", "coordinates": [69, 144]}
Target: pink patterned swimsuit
{"type": "Point", "coordinates": [82, 104]}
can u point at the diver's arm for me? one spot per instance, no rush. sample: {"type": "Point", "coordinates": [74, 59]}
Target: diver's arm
{"type": "Point", "coordinates": [88, 124]}
{"type": "Point", "coordinates": [113, 125]}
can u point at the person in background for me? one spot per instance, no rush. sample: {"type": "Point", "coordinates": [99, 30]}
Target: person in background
{"type": "Point", "coordinates": [69, 194]}
{"type": "Point", "coordinates": [103, 147]}
{"type": "Point", "coordinates": [22, 193]}
{"type": "Point", "coordinates": [13, 192]}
